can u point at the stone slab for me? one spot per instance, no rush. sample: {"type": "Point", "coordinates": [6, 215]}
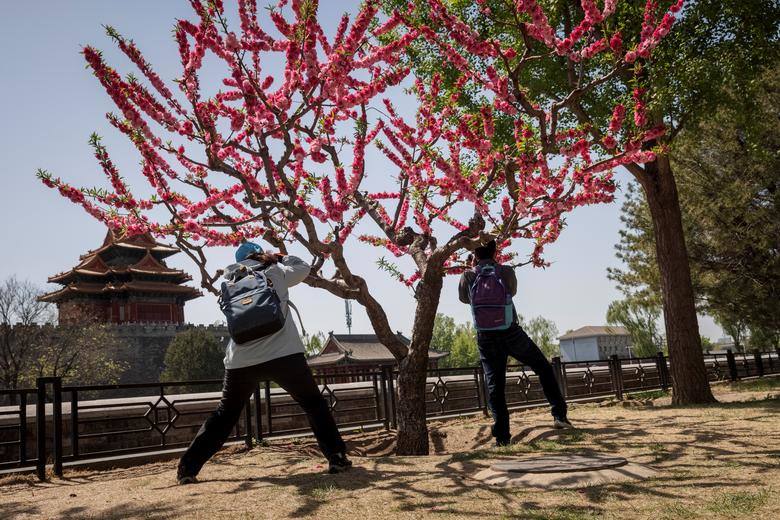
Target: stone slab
{"type": "Point", "coordinates": [577, 472]}
{"type": "Point", "coordinates": [559, 464]}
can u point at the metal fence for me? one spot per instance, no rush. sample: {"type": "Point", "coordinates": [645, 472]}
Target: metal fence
{"type": "Point", "coordinates": [84, 422]}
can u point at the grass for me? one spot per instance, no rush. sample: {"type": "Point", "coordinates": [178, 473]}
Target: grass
{"type": "Point", "coordinates": [566, 440]}
{"type": "Point", "coordinates": [739, 503]}
{"type": "Point", "coordinates": [565, 513]}
{"type": "Point", "coordinates": [717, 461]}
{"type": "Point", "coordinates": [649, 394]}
{"type": "Point", "coordinates": [678, 512]}
{"type": "Point", "coordinates": [659, 451]}
{"type": "Point", "coordinates": [764, 384]}
{"type": "Point", "coordinates": [322, 491]}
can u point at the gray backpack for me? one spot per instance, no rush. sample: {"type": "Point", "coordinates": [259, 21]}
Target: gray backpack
{"type": "Point", "coordinates": [250, 303]}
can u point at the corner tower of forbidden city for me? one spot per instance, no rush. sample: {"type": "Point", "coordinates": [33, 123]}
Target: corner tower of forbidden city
{"type": "Point", "coordinates": [123, 281]}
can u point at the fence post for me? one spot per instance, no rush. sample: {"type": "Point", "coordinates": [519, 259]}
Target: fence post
{"type": "Point", "coordinates": [248, 424]}
{"type": "Point", "coordinates": [258, 415]}
{"type": "Point", "coordinates": [383, 385]}
{"type": "Point", "coordinates": [560, 375]}
{"type": "Point", "coordinates": [74, 423]}
{"type": "Point", "coordinates": [40, 427]}
{"type": "Point", "coordinates": [759, 362]}
{"type": "Point", "coordinates": [479, 390]}
{"type": "Point", "coordinates": [616, 366]}
{"type": "Point", "coordinates": [393, 415]}
{"type": "Point", "coordinates": [377, 401]}
{"type": "Point", "coordinates": [732, 364]}
{"type": "Point", "coordinates": [268, 407]}
{"type": "Point", "coordinates": [484, 389]}
{"type": "Point", "coordinates": [22, 428]}
{"type": "Point", "coordinates": [663, 370]}
{"type": "Point", "coordinates": [57, 419]}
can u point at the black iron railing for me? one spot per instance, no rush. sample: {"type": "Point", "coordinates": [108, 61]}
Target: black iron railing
{"type": "Point", "coordinates": [56, 424]}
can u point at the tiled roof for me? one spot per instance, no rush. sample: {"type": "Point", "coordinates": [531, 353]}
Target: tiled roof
{"type": "Point", "coordinates": [326, 359]}
{"type": "Point", "coordinates": [95, 267]}
{"type": "Point", "coordinates": [590, 331]}
{"type": "Point", "coordinates": [361, 348]}
{"type": "Point", "coordinates": [135, 287]}
{"type": "Point", "coordinates": [144, 241]}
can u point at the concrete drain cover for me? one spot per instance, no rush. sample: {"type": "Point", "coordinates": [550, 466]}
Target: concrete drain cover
{"type": "Point", "coordinates": [559, 464]}
{"type": "Point", "coordinates": [559, 471]}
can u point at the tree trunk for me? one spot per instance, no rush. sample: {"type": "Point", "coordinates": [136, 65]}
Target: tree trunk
{"type": "Point", "coordinates": [689, 376]}
{"type": "Point", "coordinates": [412, 427]}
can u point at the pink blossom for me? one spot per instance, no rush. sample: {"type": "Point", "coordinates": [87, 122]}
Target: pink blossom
{"type": "Point", "coordinates": [285, 155]}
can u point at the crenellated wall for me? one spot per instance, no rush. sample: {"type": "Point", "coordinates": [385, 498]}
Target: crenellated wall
{"type": "Point", "coordinates": [143, 347]}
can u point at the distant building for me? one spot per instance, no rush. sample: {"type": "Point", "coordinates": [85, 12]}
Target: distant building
{"type": "Point", "coordinates": [595, 342]}
{"type": "Point", "coordinates": [126, 283]}
{"type": "Point", "coordinates": [725, 343]}
{"type": "Point", "coordinates": [361, 353]}
{"type": "Point", "coordinates": [123, 281]}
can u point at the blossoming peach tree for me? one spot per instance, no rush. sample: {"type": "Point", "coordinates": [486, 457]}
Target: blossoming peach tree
{"type": "Point", "coordinates": [281, 154]}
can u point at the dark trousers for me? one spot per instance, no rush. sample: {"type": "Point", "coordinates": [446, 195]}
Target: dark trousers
{"type": "Point", "coordinates": [494, 349]}
{"type": "Point", "coordinates": [291, 373]}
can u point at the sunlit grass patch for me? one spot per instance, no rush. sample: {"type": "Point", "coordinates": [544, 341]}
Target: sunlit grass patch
{"type": "Point", "coordinates": [677, 512]}
{"type": "Point", "coordinates": [757, 385]}
{"type": "Point", "coordinates": [487, 453]}
{"type": "Point", "coordinates": [321, 491]}
{"type": "Point", "coordinates": [558, 513]}
{"type": "Point", "coordinates": [658, 451]}
{"type": "Point", "coordinates": [649, 394]}
{"type": "Point", "coordinates": [565, 440]}
{"type": "Point", "coordinates": [738, 503]}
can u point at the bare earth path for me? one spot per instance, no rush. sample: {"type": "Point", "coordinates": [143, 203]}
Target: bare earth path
{"type": "Point", "coordinates": [720, 461]}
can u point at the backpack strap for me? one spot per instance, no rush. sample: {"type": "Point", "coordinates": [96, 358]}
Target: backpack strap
{"type": "Point", "coordinates": [255, 268]}
{"type": "Point", "coordinates": [292, 305]}
{"type": "Point", "coordinates": [477, 270]}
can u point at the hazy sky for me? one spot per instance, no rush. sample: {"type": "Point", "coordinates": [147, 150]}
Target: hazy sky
{"type": "Point", "coordinates": [49, 105]}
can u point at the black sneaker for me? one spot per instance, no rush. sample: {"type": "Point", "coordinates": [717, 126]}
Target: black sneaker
{"type": "Point", "coordinates": [183, 478]}
{"type": "Point", "coordinates": [562, 423]}
{"type": "Point", "coordinates": [339, 463]}
{"type": "Point", "coordinates": [500, 443]}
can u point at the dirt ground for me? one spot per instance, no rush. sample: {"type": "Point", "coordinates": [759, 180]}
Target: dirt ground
{"type": "Point", "coordinates": [718, 461]}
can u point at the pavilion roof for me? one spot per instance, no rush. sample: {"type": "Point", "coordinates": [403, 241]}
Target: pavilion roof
{"type": "Point", "coordinates": [94, 265]}
{"type": "Point", "coordinates": [144, 241]}
{"type": "Point", "coordinates": [138, 287]}
{"type": "Point", "coordinates": [360, 349]}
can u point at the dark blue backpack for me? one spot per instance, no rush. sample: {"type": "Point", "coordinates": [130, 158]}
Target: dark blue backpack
{"type": "Point", "coordinates": [491, 301]}
{"type": "Point", "coordinates": [250, 303]}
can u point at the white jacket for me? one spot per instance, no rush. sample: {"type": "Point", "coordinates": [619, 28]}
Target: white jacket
{"type": "Point", "coordinates": [290, 271]}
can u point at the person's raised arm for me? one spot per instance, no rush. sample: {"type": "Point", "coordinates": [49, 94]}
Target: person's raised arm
{"type": "Point", "coordinates": [295, 270]}
{"type": "Point", "coordinates": [510, 279]}
{"type": "Point", "coordinates": [463, 289]}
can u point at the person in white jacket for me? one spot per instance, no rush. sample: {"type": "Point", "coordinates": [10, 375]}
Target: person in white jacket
{"type": "Point", "coordinates": [279, 358]}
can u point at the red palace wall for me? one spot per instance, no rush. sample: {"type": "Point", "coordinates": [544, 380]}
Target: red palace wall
{"type": "Point", "coordinates": [76, 311]}
{"type": "Point", "coordinates": [121, 312]}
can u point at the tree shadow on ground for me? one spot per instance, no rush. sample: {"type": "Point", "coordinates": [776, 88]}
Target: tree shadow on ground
{"type": "Point", "coordinates": [157, 511]}
{"type": "Point", "coordinates": [14, 509]}
{"type": "Point", "coordinates": [408, 483]}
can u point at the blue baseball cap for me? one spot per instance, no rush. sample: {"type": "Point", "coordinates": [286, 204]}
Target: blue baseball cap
{"type": "Point", "coordinates": [246, 249]}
